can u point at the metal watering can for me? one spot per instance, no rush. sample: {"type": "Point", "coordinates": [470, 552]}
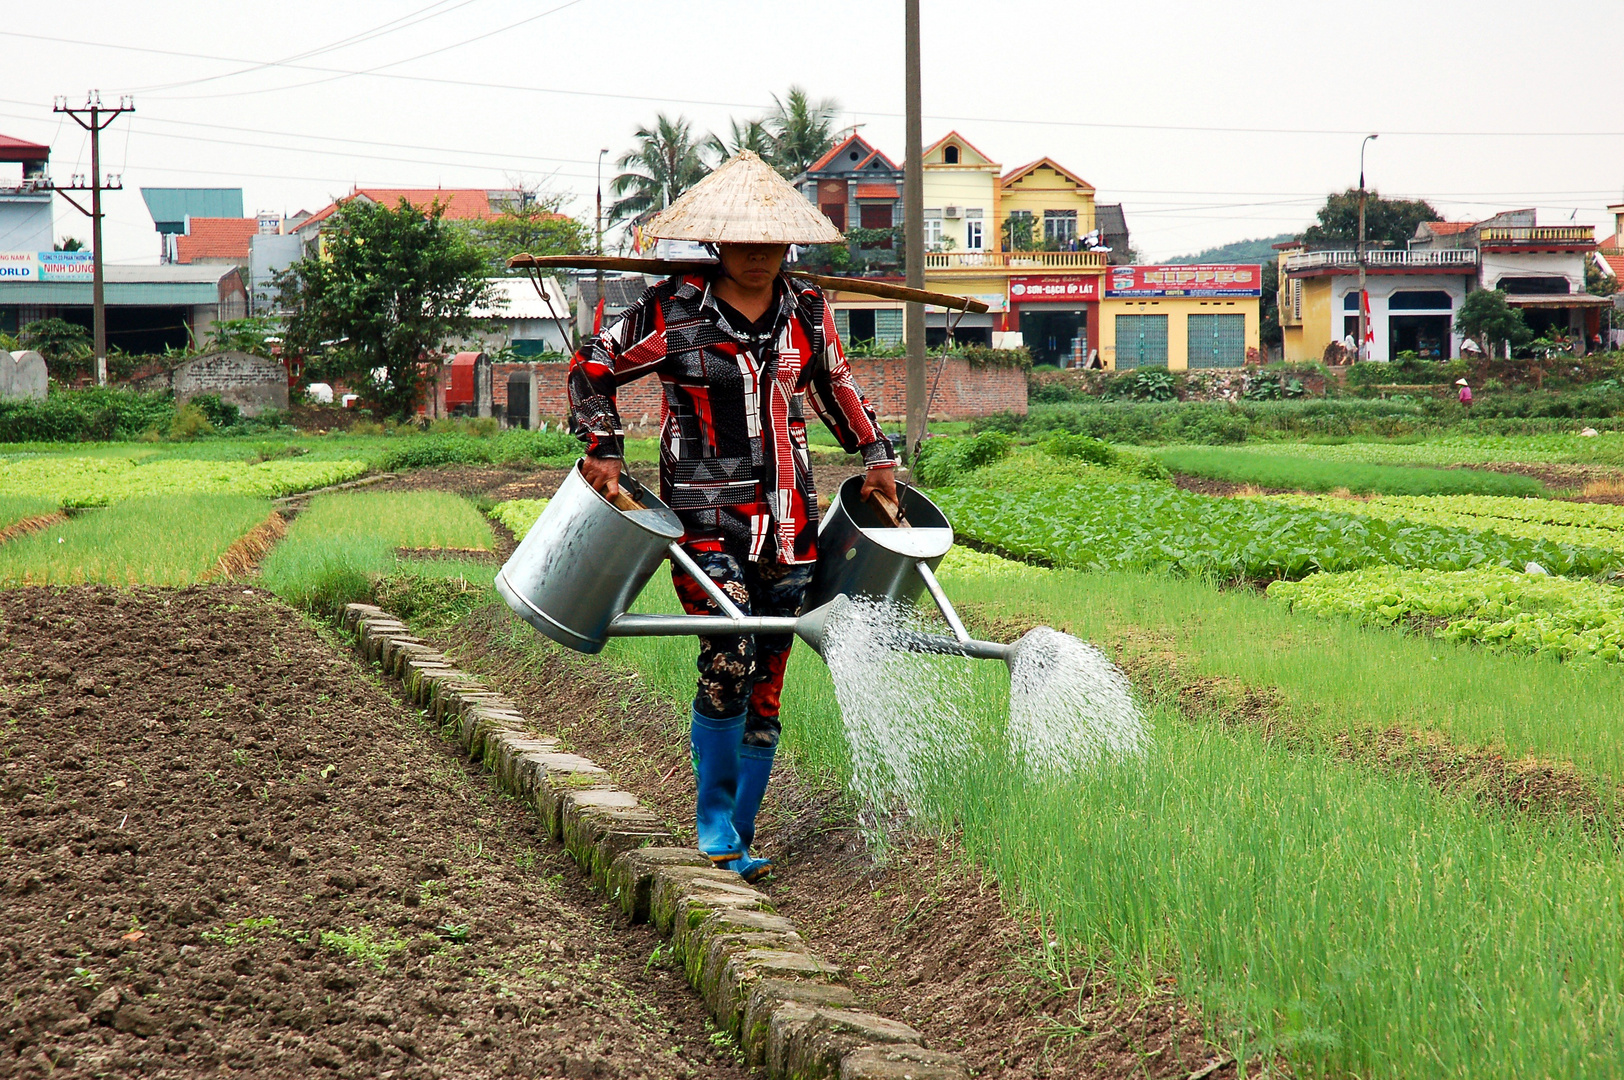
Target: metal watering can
{"type": "Point", "coordinates": [586, 559]}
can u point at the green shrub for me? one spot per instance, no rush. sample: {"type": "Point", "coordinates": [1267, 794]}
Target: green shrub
{"type": "Point", "coordinates": [941, 462]}
{"type": "Point", "coordinates": [90, 415]}
{"type": "Point", "coordinates": [190, 422]}
{"type": "Point", "coordinates": [220, 413]}
{"type": "Point", "coordinates": [1082, 447]}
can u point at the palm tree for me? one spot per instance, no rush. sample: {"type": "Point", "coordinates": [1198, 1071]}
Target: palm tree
{"type": "Point", "coordinates": [665, 162]}
{"type": "Point", "coordinates": [802, 130]}
{"type": "Point", "coordinates": [749, 135]}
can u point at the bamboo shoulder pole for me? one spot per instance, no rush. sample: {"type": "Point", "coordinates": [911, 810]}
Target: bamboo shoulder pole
{"type": "Point", "coordinates": [667, 267]}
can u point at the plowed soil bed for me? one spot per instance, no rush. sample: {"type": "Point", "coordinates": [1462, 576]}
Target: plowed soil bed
{"type": "Point", "coordinates": [225, 849]}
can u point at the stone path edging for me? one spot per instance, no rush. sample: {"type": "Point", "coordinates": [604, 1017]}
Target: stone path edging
{"type": "Point", "coordinates": [790, 1010]}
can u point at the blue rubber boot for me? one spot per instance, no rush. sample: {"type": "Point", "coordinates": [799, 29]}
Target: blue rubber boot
{"type": "Point", "coordinates": [755, 766]}
{"type": "Point", "coordinates": [715, 745]}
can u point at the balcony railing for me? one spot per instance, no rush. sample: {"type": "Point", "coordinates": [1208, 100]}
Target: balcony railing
{"type": "Point", "coordinates": [1383, 259]}
{"type": "Point", "coordinates": [1539, 234]}
{"type": "Point", "coordinates": [1015, 260]}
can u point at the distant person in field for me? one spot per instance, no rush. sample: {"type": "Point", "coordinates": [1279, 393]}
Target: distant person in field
{"type": "Point", "coordinates": [736, 346]}
{"type": "Point", "coordinates": [1465, 393]}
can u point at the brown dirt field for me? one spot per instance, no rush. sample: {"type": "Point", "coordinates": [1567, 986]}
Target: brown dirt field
{"type": "Point", "coordinates": [1203, 485]}
{"type": "Point", "coordinates": [925, 935]}
{"type": "Point", "coordinates": [224, 847]}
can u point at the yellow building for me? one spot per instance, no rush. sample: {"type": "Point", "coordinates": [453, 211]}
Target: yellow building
{"type": "Point", "coordinates": [1043, 299]}
{"type": "Point", "coordinates": [1183, 317]}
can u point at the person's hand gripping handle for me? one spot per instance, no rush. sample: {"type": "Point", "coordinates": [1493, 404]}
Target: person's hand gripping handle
{"type": "Point", "coordinates": [604, 476]}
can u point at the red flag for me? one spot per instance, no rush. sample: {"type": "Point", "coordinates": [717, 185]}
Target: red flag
{"type": "Point", "coordinates": [1364, 305]}
{"type": "Point", "coordinates": [597, 317]}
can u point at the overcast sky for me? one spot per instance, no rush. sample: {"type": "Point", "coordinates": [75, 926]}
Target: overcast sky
{"type": "Point", "coordinates": [1209, 122]}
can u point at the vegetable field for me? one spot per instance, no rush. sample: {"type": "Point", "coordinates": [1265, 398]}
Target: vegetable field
{"type": "Point", "coordinates": [1567, 525]}
{"type": "Point", "coordinates": [95, 481]}
{"type": "Point", "coordinates": [1306, 474]}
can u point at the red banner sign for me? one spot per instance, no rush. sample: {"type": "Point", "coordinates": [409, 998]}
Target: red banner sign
{"type": "Point", "coordinates": [1201, 279]}
{"type": "Point", "coordinates": [1025, 290]}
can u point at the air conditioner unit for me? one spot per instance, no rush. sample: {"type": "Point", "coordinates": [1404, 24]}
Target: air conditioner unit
{"type": "Point", "coordinates": [952, 211]}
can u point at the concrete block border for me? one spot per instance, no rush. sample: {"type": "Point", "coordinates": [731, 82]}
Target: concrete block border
{"type": "Point", "coordinates": [790, 1010]}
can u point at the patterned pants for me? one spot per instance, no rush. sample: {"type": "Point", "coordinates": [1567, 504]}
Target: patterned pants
{"type": "Point", "coordinates": [744, 672]}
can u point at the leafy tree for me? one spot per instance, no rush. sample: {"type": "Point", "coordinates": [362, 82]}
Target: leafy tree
{"type": "Point", "coordinates": [57, 340]}
{"type": "Point", "coordinates": [802, 130]}
{"type": "Point", "coordinates": [70, 244]}
{"type": "Point", "coordinates": [1598, 283]}
{"type": "Point", "coordinates": [747, 135]}
{"type": "Point", "coordinates": [1268, 331]}
{"type": "Point", "coordinates": [1485, 317]}
{"type": "Point", "coordinates": [1386, 220]}
{"type": "Point", "coordinates": [665, 162]}
{"type": "Point", "coordinates": [538, 226]}
{"type": "Point", "coordinates": [389, 287]}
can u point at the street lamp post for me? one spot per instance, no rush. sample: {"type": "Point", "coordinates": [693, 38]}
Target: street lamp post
{"type": "Point", "coordinates": [1359, 347]}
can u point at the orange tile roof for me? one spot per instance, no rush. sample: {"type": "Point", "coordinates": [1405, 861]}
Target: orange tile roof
{"type": "Point", "coordinates": [464, 204]}
{"type": "Point", "coordinates": [1449, 228]}
{"type": "Point", "coordinates": [1617, 264]}
{"type": "Point", "coordinates": [215, 238]}
{"type": "Point", "coordinates": [876, 191]}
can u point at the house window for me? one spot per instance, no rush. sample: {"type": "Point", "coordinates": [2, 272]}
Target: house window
{"type": "Point", "coordinates": [973, 238]}
{"type": "Point", "coordinates": [1018, 230]}
{"type": "Point", "coordinates": [1060, 225]}
{"type": "Point", "coordinates": [950, 155]}
{"type": "Point", "coordinates": [875, 215]}
{"type": "Point", "coordinates": [1419, 300]}
{"type": "Point", "coordinates": [1296, 301]}
{"type": "Point", "coordinates": [933, 229]}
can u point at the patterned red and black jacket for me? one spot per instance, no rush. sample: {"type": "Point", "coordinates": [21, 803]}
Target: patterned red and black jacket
{"type": "Point", "coordinates": [733, 458]}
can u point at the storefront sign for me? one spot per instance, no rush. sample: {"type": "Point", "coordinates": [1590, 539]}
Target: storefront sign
{"type": "Point", "coordinates": [1026, 290]}
{"type": "Point", "coordinates": [19, 266]}
{"type": "Point", "coordinates": [1198, 280]}
{"type": "Point", "coordinates": [66, 266]}
{"type": "Point", "coordinates": [46, 266]}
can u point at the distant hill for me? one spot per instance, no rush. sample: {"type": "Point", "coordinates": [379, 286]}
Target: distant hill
{"type": "Point", "coordinates": [1240, 251]}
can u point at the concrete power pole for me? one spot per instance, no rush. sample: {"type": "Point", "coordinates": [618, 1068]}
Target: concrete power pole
{"type": "Point", "coordinates": [913, 211]}
{"type": "Point", "coordinates": [1364, 331]}
{"type": "Point", "coordinates": [99, 116]}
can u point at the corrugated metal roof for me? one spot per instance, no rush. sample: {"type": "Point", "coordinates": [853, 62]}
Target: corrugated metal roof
{"type": "Point", "coordinates": [170, 207]}
{"type": "Point", "coordinates": [127, 286]}
{"type": "Point", "coordinates": [621, 292]}
{"type": "Point", "coordinates": [15, 149]}
{"type": "Point", "coordinates": [523, 302]}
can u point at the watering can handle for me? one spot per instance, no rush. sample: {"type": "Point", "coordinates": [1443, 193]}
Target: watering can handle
{"type": "Point", "coordinates": [625, 502]}
{"type": "Point", "coordinates": [890, 512]}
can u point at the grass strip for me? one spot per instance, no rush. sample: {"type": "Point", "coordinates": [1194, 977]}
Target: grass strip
{"type": "Point", "coordinates": [17, 509]}
{"type": "Point", "coordinates": [1305, 474]}
{"type": "Point", "coordinates": [343, 541]}
{"type": "Point", "coordinates": [173, 541]}
{"type": "Point", "coordinates": [1355, 921]}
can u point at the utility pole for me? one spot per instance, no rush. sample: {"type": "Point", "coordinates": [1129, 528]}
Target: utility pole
{"type": "Point", "coordinates": [913, 211]}
{"type": "Point", "coordinates": [1359, 346]}
{"type": "Point", "coordinates": [599, 223]}
{"type": "Point", "coordinates": [99, 116]}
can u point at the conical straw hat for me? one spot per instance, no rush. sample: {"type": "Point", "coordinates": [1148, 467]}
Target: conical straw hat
{"type": "Point", "coordinates": [744, 202]}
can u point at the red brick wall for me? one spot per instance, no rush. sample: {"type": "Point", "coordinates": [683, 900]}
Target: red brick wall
{"type": "Point", "coordinates": [962, 392]}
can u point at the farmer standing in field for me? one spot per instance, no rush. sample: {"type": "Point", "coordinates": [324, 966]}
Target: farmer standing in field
{"type": "Point", "coordinates": [736, 345]}
{"type": "Point", "coordinates": [1465, 392]}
